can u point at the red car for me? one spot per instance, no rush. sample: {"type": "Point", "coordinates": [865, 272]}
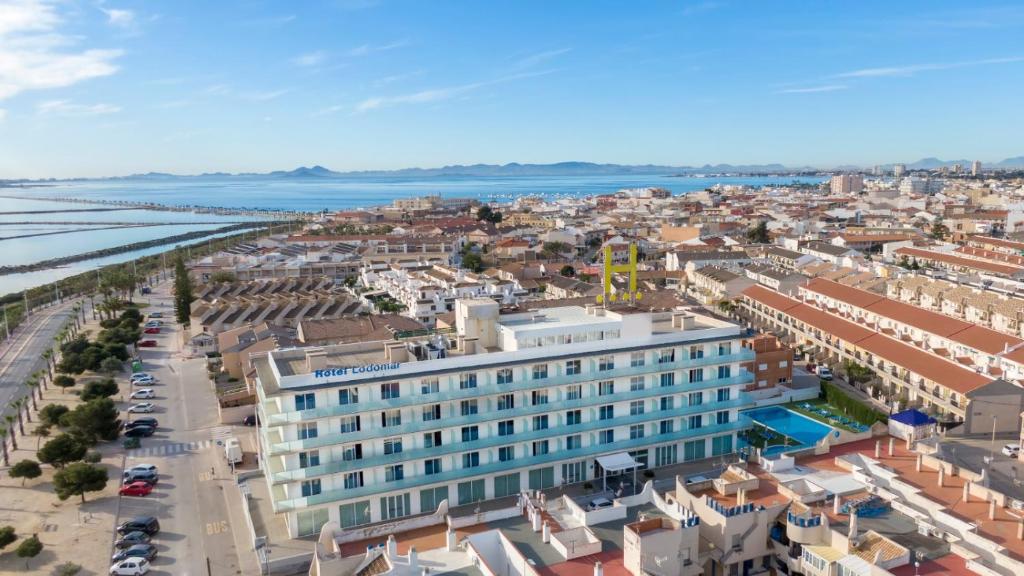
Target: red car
{"type": "Point", "coordinates": [147, 344]}
{"type": "Point", "coordinates": [152, 331]}
{"type": "Point", "coordinates": [135, 489]}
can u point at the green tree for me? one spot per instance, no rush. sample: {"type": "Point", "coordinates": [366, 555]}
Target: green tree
{"type": "Point", "coordinates": [64, 381]}
{"type": "Point", "coordinates": [7, 536]}
{"type": "Point", "coordinates": [939, 230]}
{"type": "Point", "coordinates": [26, 470]}
{"type": "Point", "coordinates": [488, 214]}
{"type": "Point", "coordinates": [182, 291]}
{"type": "Point", "coordinates": [222, 276]}
{"type": "Point", "coordinates": [101, 388]}
{"type": "Point", "coordinates": [68, 569]}
{"type": "Point", "coordinates": [567, 271]}
{"type": "Point", "coordinates": [62, 450]}
{"type": "Point", "coordinates": [31, 547]}
{"type": "Point", "coordinates": [555, 249]}
{"type": "Point", "coordinates": [51, 413]}
{"type": "Point", "coordinates": [473, 262]}
{"type": "Point", "coordinates": [759, 233]}
{"type": "Point", "coordinates": [111, 366]}
{"type": "Point", "coordinates": [93, 421]}
{"type": "Point", "coordinates": [78, 478]}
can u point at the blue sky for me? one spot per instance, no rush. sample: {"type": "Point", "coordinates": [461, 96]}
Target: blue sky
{"type": "Point", "coordinates": [90, 88]}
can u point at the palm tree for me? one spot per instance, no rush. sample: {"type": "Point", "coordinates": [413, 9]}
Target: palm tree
{"type": "Point", "coordinates": [3, 445]}
{"type": "Point", "coordinates": [10, 428]}
{"type": "Point", "coordinates": [18, 405]}
{"type": "Point", "coordinates": [33, 386]}
{"type": "Point", "coordinates": [48, 356]}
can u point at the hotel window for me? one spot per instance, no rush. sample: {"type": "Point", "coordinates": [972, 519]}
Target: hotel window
{"type": "Point", "coordinates": [721, 445]}
{"type": "Point", "coordinates": [666, 402]}
{"type": "Point", "coordinates": [724, 371]}
{"type": "Point", "coordinates": [665, 427]}
{"type": "Point", "coordinates": [636, 431]}
{"type": "Point", "coordinates": [432, 466]}
{"type": "Point", "coordinates": [574, 442]}
{"type": "Point", "coordinates": [310, 488]}
{"type": "Point", "coordinates": [694, 450]}
{"type": "Point", "coordinates": [606, 363]}
{"type": "Point", "coordinates": [470, 492]}
{"type": "Point", "coordinates": [636, 383]}
{"type": "Point", "coordinates": [352, 452]}
{"type": "Point", "coordinates": [605, 388]}
{"type": "Point", "coordinates": [470, 459]}
{"type": "Point", "coordinates": [348, 396]}
{"type": "Point", "coordinates": [725, 348]}
{"type": "Point", "coordinates": [430, 386]}
{"type": "Point", "coordinates": [506, 428]}
{"type": "Point", "coordinates": [305, 401]}
{"type": "Point", "coordinates": [541, 478]}
{"type": "Point", "coordinates": [572, 367]}
{"type": "Point", "coordinates": [311, 521]}
{"type": "Point", "coordinates": [467, 380]}
{"type": "Point", "coordinates": [606, 436]}
{"type": "Point", "coordinates": [394, 473]}
{"type": "Point", "coordinates": [724, 394]}
{"type": "Point", "coordinates": [606, 412]}
{"type": "Point", "coordinates": [507, 485]}
{"type": "Point", "coordinates": [695, 421]}
{"type": "Point", "coordinates": [696, 352]}
{"type": "Point", "coordinates": [506, 401]}
{"type": "Point", "coordinates": [470, 433]}
{"type": "Point", "coordinates": [506, 453]}
{"type": "Point", "coordinates": [538, 397]}
{"type": "Point", "coordinates": [636, 359]}
{"type": "Point", "coordinates": [468, 407]}
{"type": "Point", "coordinates": [395, 506]}
{"type": "Point", "coordinates": [393, 446]}
{"type": "Point", "coordinates": [722, 417]}
{"type": "Point", "coordinates": [308, 459]}
{"type": "Point", "coordinates": [431, 412]}
{"type": "Point", "coordinates": [353, 480]}
{"type": "Point", "coordinates": [574, 392]}
{"type": "Point", "coordinates": [431, 498]}
{"type": "Point", "coordinates": [666, 355]}
{"type": "Point", "coordinates": [696, 398]}
{"type": "Point", "coordinates": [573, 472]}
{"type": "Point", "coordinates": [636, 407]}
{"type": "Point", "coordinates": [668, 379]}
{"type": "Point", "coordinates": [355, 514]}
{"type": "Point", "coordinates": [697, 375]}
{"type": "Point", "coordinates": [505, 376]}
{"type": "Point", "coordinates": [573, 417]}
{"type": "Point", "coordinates": [666, 455]}
{"type": "Point", "coordinates": [540, 447]}
{"type": "Point", "coordinates": [762, 367]}
{"type": "Point", "coordinates": [432, 439]}
{"type": "Point", "coordinates": [540, 422]}
{"type": "Point", "coordinates": [389, 391]}
{"type": "Point", "coordinates": [391, 418]}
{"type": "Point", "coordinates": [540, 371]}
{"type": "Point", "coordinates": [308, 430]}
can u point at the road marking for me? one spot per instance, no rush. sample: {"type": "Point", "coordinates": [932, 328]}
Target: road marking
{"type": "Point", "coordinates": [171, 449]}
{"type": "Point", "coordinates": [216, 527]}
{"type": "Point", "coordinates": [221, 432]}
{"type": "Point", "coordinates": [205, 476]}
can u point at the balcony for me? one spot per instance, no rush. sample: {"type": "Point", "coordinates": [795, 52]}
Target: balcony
{"type": "Point", "coordinates": [487, 388]}
{"type": "Point", "coordinates": [372, 431]}
{"type": "Point", "coordinates": [555, 433]}
{"type": "Point", "coordinates": [414, 481]}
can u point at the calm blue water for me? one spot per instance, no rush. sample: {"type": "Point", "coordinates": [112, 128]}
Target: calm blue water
{"type": "Point", "coordinates": [805, 430]}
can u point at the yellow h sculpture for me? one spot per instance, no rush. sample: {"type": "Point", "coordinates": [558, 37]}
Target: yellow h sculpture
{"type": "Point", "coordinates": [632, 295]}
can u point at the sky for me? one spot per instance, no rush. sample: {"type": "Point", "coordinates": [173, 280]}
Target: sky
{"type": "Point", "coordinates": [115, 87]}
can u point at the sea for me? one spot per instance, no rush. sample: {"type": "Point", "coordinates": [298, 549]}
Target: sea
{"type": "Point", "coordinates": [28, 237]}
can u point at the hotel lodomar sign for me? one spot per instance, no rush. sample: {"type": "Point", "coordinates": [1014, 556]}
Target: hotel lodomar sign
{"type": "Point", "coordinates": [355, 370]}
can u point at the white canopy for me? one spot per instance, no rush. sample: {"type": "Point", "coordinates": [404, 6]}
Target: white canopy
{"type": "Point", "coordinates": [617, 462]}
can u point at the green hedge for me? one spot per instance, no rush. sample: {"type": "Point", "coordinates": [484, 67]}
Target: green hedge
{"type": "Point", "coordinates": [850, 406]}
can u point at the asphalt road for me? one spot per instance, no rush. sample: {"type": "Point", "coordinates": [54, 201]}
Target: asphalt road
{"type": "Point", "coordinates": [1006, 474]}
{"type": "Point", "coordinates": [24, 355]}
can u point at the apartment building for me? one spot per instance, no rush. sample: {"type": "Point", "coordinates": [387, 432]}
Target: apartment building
{"type": "Point", "coordinates": [773, 361]}
{"type": "Point", "coordinates": [374, 431]}
{"type": "Point", "coordinates": [844, 184]}
{"type": "Point", "coordinates": [953, 262]}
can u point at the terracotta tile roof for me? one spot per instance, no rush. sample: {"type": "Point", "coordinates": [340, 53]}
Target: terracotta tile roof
{"type": "Point", "coordinates": [954, 260]}
{"type": "Point", "coordinates": [858, 298]}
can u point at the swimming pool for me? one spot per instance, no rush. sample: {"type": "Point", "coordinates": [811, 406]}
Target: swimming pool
{"type": "Point", "coordinates": [801, 428]}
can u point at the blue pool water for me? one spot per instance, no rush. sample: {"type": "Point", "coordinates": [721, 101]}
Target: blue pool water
{"type": "Point", "coordinates": [801, 428]}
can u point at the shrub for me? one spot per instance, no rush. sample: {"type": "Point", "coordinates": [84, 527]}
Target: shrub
{"type": "Point", "coordinates": [68, 569]}
{"type": "Point", "coordinates": [850, 406]}
{"type": "Point", "coordinates": [26, 470]}
{"type": "Point", "coordinates": [7, 536]}
{"type": "Point", "coordinates": [61, 450]}
{"type": "Point", "coordinates": [77, 479]}
{"type": "Point", "coordinates": [29, 549]}
{"type": "Point", "coordinates": [100, 388]}
{"type": "Point", "coordinates": [51, 413]}
{"type": "Point", "coordinates": [111, 366]}
{"type": "Point", "coordinates": [93, 457]}
{"type": "Point", "coordinates": [109, 323]}
{"type": "Point", "coordinates": [63, 381]}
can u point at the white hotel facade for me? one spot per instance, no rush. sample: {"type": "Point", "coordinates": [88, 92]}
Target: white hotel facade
{"type": "Point", "coordinates": [375, 431]}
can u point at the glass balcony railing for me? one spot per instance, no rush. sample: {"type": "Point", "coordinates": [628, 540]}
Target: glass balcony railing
{"type": "Point", "coordinates": [414, 481]}
{"type": "Point", "coordinates": [371, 430]}
{"type": "Point", "coordinates": [554, 433]}
{"type": "Point", "coordinates": [276, 418]}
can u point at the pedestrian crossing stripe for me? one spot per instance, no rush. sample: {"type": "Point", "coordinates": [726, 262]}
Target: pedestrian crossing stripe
{"type": "Point", "coordinates": [221, 432]}
{"type": "Point", "coordinates": [170, 449]}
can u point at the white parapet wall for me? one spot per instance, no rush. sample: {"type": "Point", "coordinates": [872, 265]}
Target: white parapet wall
{"type": "Point", "coordinates": [576, 543]}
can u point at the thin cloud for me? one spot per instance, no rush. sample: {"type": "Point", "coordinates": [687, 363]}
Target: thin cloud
{"type": "Point", "coordinates": [439, 94]}
{"type": "Point", "coordinates": [270, 21]}
{"type": "Point", "coordinates": [915, 68]}
{"type": "Point", "coordinates": [35, 54]}
{"type": "Point", "coordinates": [68, 108]}
{"type": "Point", "coordinates": [264, 96]}
{"type": "Point", "coordinates": [310, 59]}
{"type": "Point", "coordinates": [119, 17]}
{"type": "Point", "coordinates": [366, 49]}
{"type": "Point", "coordinates": [329, 110]}
{"type": "Point", "coordinates": [813, 89]}
{"type": "Point", "coordinates": [217, 89]}
{"type": "Point", "coordinates": [387, 80]}
{"type": "Point", "coordinates": [3, 114]}
{"type": "Point", "coordinates": [699, 8]}
{"type": "Point", "coordinates": [540, 57]}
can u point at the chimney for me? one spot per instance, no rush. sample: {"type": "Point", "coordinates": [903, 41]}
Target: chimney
{"type": "Point", "coordinates": [316, 359]}
{"type": "Point", "coordinates": [852, 536]}
{"type": "Point", "coordinates": [469, 345]}
{"type": "Point", "coordinates": [396, 352]}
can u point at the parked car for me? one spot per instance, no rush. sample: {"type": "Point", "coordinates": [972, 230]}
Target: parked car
{"type": "Point", "coordinates": [598, 503]}
{"type": "Point", "coordinates": [147, 551]}
{"type": "Point", "coordinates": [139, 432]}
{"type": "Point", "coordinates": [136, 488]}
{"type": "Point", "coordinates": [251, 420]}
{"type": "Point", "coordinates": [148, 524]}
{"type": "Point", "coordinates": [152, 330]}
{"type": "Point", "coordinates": [149, 478]}
{"type": "Point", "coordinates": [1011, 450]}
{"type": "Point", "coordinates": [824, 373]}
{"type": "Point", "coordinates": [145, 421]}
{"type": "Point", "coordinates": [141, 375]}
{"type": "Point", "coordinates": [130, 567]}
{"type": "Point", "coordinates": [144, 468]}
{"type": "Point", "coordinates": [130, 539]}
{"type": "Point", "coordinates": [143, 394]}
{"type": "Point", "coordinates": [154, 323]}
{"type": "Point", "coordinates": [142, 408]}
{"type": "Point", "coordinates": [156, 315]}
{"type": "Point", "coordinates": [144, 381]}
{"type": "Point", "coordinates": [147, 344]}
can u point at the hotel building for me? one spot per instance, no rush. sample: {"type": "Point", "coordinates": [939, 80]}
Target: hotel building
{"type": "Point", "coordinates": [375, 431]}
